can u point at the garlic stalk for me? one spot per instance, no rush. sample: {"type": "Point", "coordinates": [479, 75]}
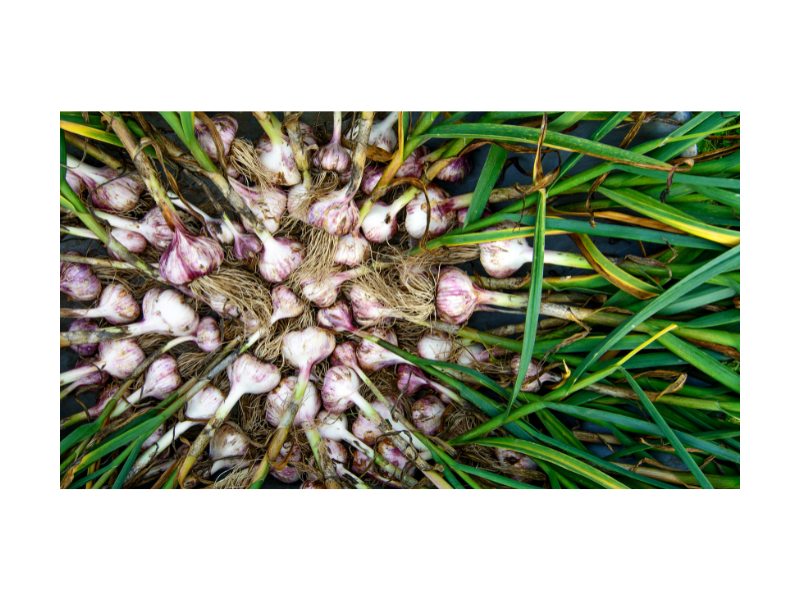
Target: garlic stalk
{"type": "Point", "coordinates": [116, 305]}
{"type": "Point", "coordinates": [413, 166]}
{"type": "Point", "coordinates": [333, 156]}
{"type": "Point", "coordinates": [93, 380]}
{"type": "Point", "coordinates": [276, 155]}
{"type": "Point", "coordinates": [381, 135]}
{"type": "Point", "coordinates": [266, 204]}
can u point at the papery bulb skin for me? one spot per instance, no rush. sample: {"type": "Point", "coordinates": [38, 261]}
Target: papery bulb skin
{"type": "Point", "coordinates": [246, 246]}
{"type": "Point", "coordinates": [338, 455]}
{"type": "Point", "coordinates": [414, 165]}
{"type": "Point", "coordinates": [312, 485]}
{"type": "Point", "coordinates": [168, 312]}
{"type": "Point", "coordinates": [380, 224]}
{"type": "Point", "coordinates": [345, 354]}
{"type": "Point", "coordinates": [162, 378]}
{"type": "Point", "coordinates": [105, 396]}
{"type": "Point", "coordinates": [373, 357]}
{"type": "Point", "coordinates": [120, 357]}
{"type": "Point", "coordinates": [154, 228]}
{"type": "Point", "coordinates": [336, 317]}
{"type": "Point", "coordinates": [455, 296]}
{"type": "Point", "coordinates": [226, 127]}
{"type": "Point", "coordinates": [503, 258]}
{"type": "Point", "coordinates": [289, 474]}
{"type": "Point", "coordinates": [278, 161]}
{"type": "Point", "coordinates": [372, 175]}
{"type": "Point", "coordinates": [426, 413]}
{"type": "Point", "coordinates": [74, 182]}
{"type": "Point", "coordinates": [515, 460]}
{"type": "Point", "coordinates": [456, 170]}
{"type": "Point", "coordinates": [333, 157]}
{"type": "Point", "coordinates": [279, 258]}
{"type": "Point", "coordinates": [305, 348]}
{"type": "Point", "coordinates": [410, 379]}
{"type": "Point", "coordinates": [435, 345]}
{"type": "Point", "coordinates": [203, 405]}
{"type": "Point", "coordinates": [351, 249]}
{"type": "Point", "coordinates": [267, 205]}
{"type": "Point", "coordinates": [132, 241]}
{"type": "Point", "coordinates": [188, 257]}
{"type": "Point", "coordinates": [367, 309]}
{"type": "Point", "coordinates": [279, 398]}
{"type": "Point", "coordinates": [442, 217]}
{"type": "Point", "coordinates": [295, 201]}
{"type": "Point", "coordinates": [251, 376]}
{"type": "Point", "coordinates": [119, 195]}
{"type": "Point", "coordinates": [118, 305]}
{"type": "Point", "coordinates": [391, 453]}
{"type": "Point", "coordinates": [322, 292]}
{"type": "Point", "coordinates": [335, 212]}
{"type": "Point", "coordinates": [533, 380]}
{"type": "Point", "coordinates": [83, 325]}
{"type": "Point", "coordinates": [361, 461]}
{"type": "Point", "coordinates": [94, 380]}
{"type": "Point", "coordinates": [309, 140]}
{"type": "Point", "coordinates": [227, 449]}
{"type": "Point", "coordinates": [208, 336]}
{"type": "Point", "coordinates": [79, 281]}
{"type": "Point", "coordinates": [471, 356]}
{"type": "Point", "coordinates": [340, 384]}
{"type": "Point", "coordinates": [154, 437]}
{"type": "Point", "coordinates": [285, 305]}
{"type": "Point", "coordinates": [365, 430]}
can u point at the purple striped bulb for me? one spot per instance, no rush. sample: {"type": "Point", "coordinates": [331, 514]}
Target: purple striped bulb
{"type": "Point", "coordinates": [277, 161]}
{"type": "Point", "coordinates": [333, 156]}
{"type": "Point", "coordinates": [94, 380]}
{"type": "Point", "coordinates": [456, 298]}
{"type": "Point", "coordinates": [105, 396]}
{"type": "Point", "coordinates": [130, 240]}
{"type": "Point", "coordinates": [367, 309]}
{"type": "Point", "coordinates": [345, 354]}
{"type": "Point", "coordinates": [267, 205]}
{"type": "Point", "coordinates": [248, 375]}
{"type": "Point", "coordinates": [340, 384]}
{"type": "Point", "coordinates": [117, 305]}
{"type": "Point", "coordinates": [227, 449]}
{"type": "Point", "coordinates": [503, 258]}
{"type": "Point", "coordinates": [304, 349]}
{"type": "Point", "coordinates": [83, 325]}
{"type": "Point", "coordinates": [189, 256]}
{"type": "Point", "coordinates": [162, 378]}
{"type": "Point", "coordinates": [280, 257]}
{"type": "Point", "coordinates": [245, 245]}
{"type": "Point", "coordinates": [285, 305]}
{"type": "Point", "coordinates": [335, 212]}
{"type": "Point", "coordinates": [336, 317]}
{"type": "Point", "coordinates": [279, 398]}
{"type": "Point", "coordinates": [365, 430]}
{"type": "Point", "coordinates": [323, 291]}
{"type": "Point", "coordinates": [426, 413]}
{"type": "Point", "coordinates": [289, 474]}
{"type": "Point", "coordinates": [456, 170]}
{"type": "Point", "coordinates": [119, 358]}
{"type": "Point", "coordinates": [372, 175]}
{"type": "Point", "coordinates": [108, 191]}
{"type": "Point", "coordinates": [338, 455]}
{"type": "Point", "coordinates": [79, 281]}
{"type": "Point", "coordinates": [167, 312]}
{"type": "Point", "coordinates": [208, 337]}
{"type": "Point", "coordinates": [154, 228]}
{"type": "Point", "coordinates": [203, 405]}
{"type": "Point", "coordinates": [435, 345]}
{"type": "Point", "coordinates": [351, 249]}
{"type": "Point", "coordinates": [410, 379]}
{"type": "Point", "coordinates": [373, 357]}
{"type": "Point", "coordinates": [391, 453]}
{"type": "Point", "coordinates": [442, 216]}
{"type": "Point", "coordinates": [226, 127]}
{"type": "Point", "coordinates": [533, 379]}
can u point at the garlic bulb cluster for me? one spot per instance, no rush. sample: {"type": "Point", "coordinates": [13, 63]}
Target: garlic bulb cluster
{"type": "Point", "coordinates": [285, 305]}
{"type": "Point", "coordinates": [226, 127]}
{"type": "Point", "coordinates": [337, 317]}
{"type": "Point", "coordinates": [107, 189]}
{"type": "Point", "coordinates": [189, 256]}
{"type": "Point", "coordinates": [333, 156]}
{"type": "Point", "coordinates": [79, 281]}
{"type": "Point", "coordinates": [227, 449]}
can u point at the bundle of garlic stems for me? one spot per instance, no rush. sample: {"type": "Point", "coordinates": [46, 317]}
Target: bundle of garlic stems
{"type": "Point", "coordinates": [315, 313]}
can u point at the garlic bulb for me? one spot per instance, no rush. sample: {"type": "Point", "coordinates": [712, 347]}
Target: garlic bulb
{"type": "Point", "coordinates": [391, 453]}
{"type": "Point", "coordinates": [373, 357]}
{"type": "Point", "coordinates": [226, 127]}
{"type": "Point", "coordinates": [457, 297]}
{"type": "Point", "coordinates": [105, 396]}
{"type": "Point", "coordinates": [410, 379]}
{"type": "Point", "coordinates": [312, 485]}
{"type": "Point", "coordinates": [118, 358]}
{"type": "Point", "coordinates": [340, 386]}
{"type": "Point", "coordinates": [515, 460]}
{"type": "Point", "coordinates": [279, 257]}
{"type": "Point", "coordinates": [152, 226]}
{"type": "Point", "coordinates": [338, 456]}
{"type": "Point", "coordinates": [426, 413]}
{"type": "Point", "coordinates": [335, 212]}
{"type": "Point", "coordinates": [285, 305]}
{"type": "Point", "coordinates": [79, 281]}
{"type": "Point", "coordinates": [413, 166]}
{"type": "Point", "coordinates": [166, 312]}
{"type": "Point", "coordinates": [245, 245]}
{"type": "Point", "coordinates": [207, 336]}
{"type": "Point", "coordinates": [442, 215]}
{"type": "Point", "coordinates": [279, 398]}
{"type": "Point", "coordinates": [345, 354]}
{"type": "Point", "coordinates": [130, 240]}
{"type": "Point", "coordinates": [296, 199]}
{"type": "Point", "coordinates": [116, 305]}
{"type": "Point", "coordinates": [228, 448]}
{"type": "Point", "coordinates": [289, 474]}
{"type": "Point", "coordinates": [322, 291]}
{"type": "Point", "coordinates": [267, 205]}
{"type": "Point", "coordinates": [456, 170]}
{"type": "Point", "coordinates": [94, 379]}
{"type": "Point", "coordinates": [83, 325]}
{"type": "Point", "coordinates": [277, 160]}
{"type": "Point", "coordinates": [504, 257]}
{"type": "Point", "coordinates": [351, 249]}
{"type": "Point", "coordinates": [221, 229]}
{"type": "Point", "coordinates": [108, 190]}
{"type": "Point", "coordinates": [338, 318]}
{"type": "Point", "coordinates": [365, 430]}
{"type": "Point", "coordinates": [435, 345]}
{"type": "Point", "coordinates": [533, 379]}
{"type": "Point", "coordinates": [372, 175]}
{"type": "Point", "coordinates": [189, 256]}
{"type": "Point", "coordinates": [161, 379]}
{"type": "Point", "coordinates": [381, 135]}
{"type": "Point", "coordinates": [333, 156]}
{"type": "Point", "coordinates": [367, 309]}
{"type": "Point", "coordinates": [380, 224]}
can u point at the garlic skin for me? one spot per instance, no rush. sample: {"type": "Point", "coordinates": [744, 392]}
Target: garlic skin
{"type": "Point", "coordinates": [167, 312]}
{"type": "Point", "coordinates": [285, 305]}
{"type": "Point", "coordinates": [108, 191]}
{"type": "Point", "coordinates": [117, 305]}
{"type": "Point", "coordinates": [435, 345]}
{"type": "Point", "coordinates": [162, 378]}
{"type": "Point", "coordinates": [94, 379]}
{"type": "Point", "coordinates": [304, 349]}
{"type": "Point", "coordinates": [413, 166]}
{"type": "Point", "coordinates": [365, 430]}
{"type": "Point", "coordinates": [208, 337]}
{"type": "Point", "coordinates": [132, 241]}
{"type": "Point", "coordinates": [188, 257]}
{"type": "Point", "coordinates": [219, 303]}
{"type": "Point", "coordinates": [83, 325]}
{"type": "Point", "coordinates": [381, 135]}
{"type": "Point", "coordinates": [105, 396]}
{"type": "Point", "coordinates": [340, 384]}
{"type": "Point", "coordinates": [279, 257]}
{"type": "Point", "coordinates": [323, 292]}
{"type": "Point", "coordinates": [152, 226]}
{"type": "Point", "coordinates": [203, 405]}
{"type": "Point", "coordinates": [309, 141]}
{"type": "Point", "coordinates": [227, 449]}
{"type": "Point", "coordinates": [410, 379]}
{"type": "Point", "coordinates": [267, 205]}
{"type": "Point", "coordinates": [226, 127]}
{"type": "Point", "coordinates": [79, 281]}
{"type": "Point", "coordinates": [345, 354]}
{"type": "Point", "coordinates": [373, 357]}
{"type": "Point", "coordinates": [289, 474]}
{"type": "Point", "coordinates": [503, 258]}
{"type": "Point", "coordinates": [380, 224]}
{"type": "Point", "coordinates": [337, 454]}
{"type": "Point", "coordinates": [533, 380]}
{"type": "Point", "coordinates": [426, 414]}
{"type": "Point", "coordinates": [516, 460]}
{"type": "Point", "coordinates": [351, 249]}
{"type": "Point", "coordinates": [367, 310]}
{"type": "Point", "coordinates": [442, 217]}
{"type": "Point", "coordinates": [338, 318]}
{"type": "Point", "coordinates": [391, 453]}
{"type": "Point", "coordinates": [248, 375]}
{"type": "Point", "coordinates": [456, 170]}
{"type": "Point", "coordinates": [333, 156]}
{"type": "Point", "coordinates": [279, 398]}
{"type": "Point", "coordinates": [277, 160]}
{"type": "Point", "coordinates": [245, 245]}
{"type": "Point", "coordinates": [313, 485]}
{"type": "Point", "coordinates": [335, 212]}
{"type": "Point", "coordinates": [119, 358]}
{"type": "Point", "coordinates": [295, 200]}
{"type": "Point", "coordinates": [372, 175]}
{"type": "Point", "coordinates": [455, 296]}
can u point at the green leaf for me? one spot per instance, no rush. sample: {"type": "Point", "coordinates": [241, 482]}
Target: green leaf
{"type": "Point", "coordinates": [126, 468]}
{"type": "Point", "coordinates": [692, 180]}
{"type": "Point", "coordinates": [598, 134]}
{"type": "Point", "coordinates": [722, 196]}
{"type": "Point", "coordinates": [63, 163]}
{"type": "Point", "coordinates": [566, 120]}
{"type": "Point", "coordinates": [491, 171]}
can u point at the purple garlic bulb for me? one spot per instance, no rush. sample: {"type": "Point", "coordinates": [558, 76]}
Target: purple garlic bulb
{"type": "Point", "coordinates": [323, 291]}
{"type": "Point", "coordinates": [94, 379]}
{"type": "Point", "coordinates": [435, 345]}
{"type": "Point", "coordinates": [285, 305]}
{"type": "Point", "coordinates": [188, 256]}
{"type": "Point", "coordinates": [83, 325]}
{"type": "Point", "coordinates": [456, 170]}
{"type": "Point", "coordinates": [533, 379]}
{"type": "Point", "coordinates": [130, 240]}
{"type": "Point", "coordinates": [105, 396]}
{"type": "Point", "coordinates": [336, 317]}
{"type": "Point", "coordinates": [226, 127]}
{"type": "Point", "coordinates": [304, 349]}
{"type": "Point", "coordinates": [79, 281]}
{"type": "Point", "coordinates": [503, 258]}
{"type": "Point", "coordinates": [426, 413]}
{"type": "Point", "coordinates": [367, 309]}
{"type": "Point", "coordinates": [365, 430]}
{"type": "Point", "coordinates": [372, 175]}
{"type": "Point", "coordinates": [333, 156]}
{"type": "Point", "coordinates": [208, 336]}
{"type": "Point", "coordinates": [442, 215]}
{"type": "Point", "coordinates": [351, 249]}
{"type": "Point", "coordinates": [108, 190]}
{"type": "Point", "coordinates": [515, 460]}
{"type": "Point", "coordinates": [289, 474]}
{"type": "Point", "coordinates": [345, 354]}
{"type": "Point", "coordinates": [227, 449]}
{"type": "Point", "coordinates": [280, 257]}
{"type": "Point", "coordinates": [245, 245]}
{"type": "Point", "coordinates": [203, 405]}
{"type": "Point", "coordinates": [119, 358]}
{"type": "Point", "coordinates": [277, 160]}
{"type": "Point", "coordinates": [161, 379]}
{"type": "Point", "coordinates": [279, 398]}
{"type": "Point", "coordinates": [335, 212]}
{"type": "Point", "coordinates": [456, 296]}
{"type": "Point", "coordinates": [373, 357]}
{"type": "Point", "coordinates": [380, 224]}
{"type": "Point", "coordinates": [267, 205]}
{"type": "Point", "coordinates": [381, 135]}
{"type": "Point", "coordinates": [117, 306]}
{"type": "Point", "coordinates": [340, 384]}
